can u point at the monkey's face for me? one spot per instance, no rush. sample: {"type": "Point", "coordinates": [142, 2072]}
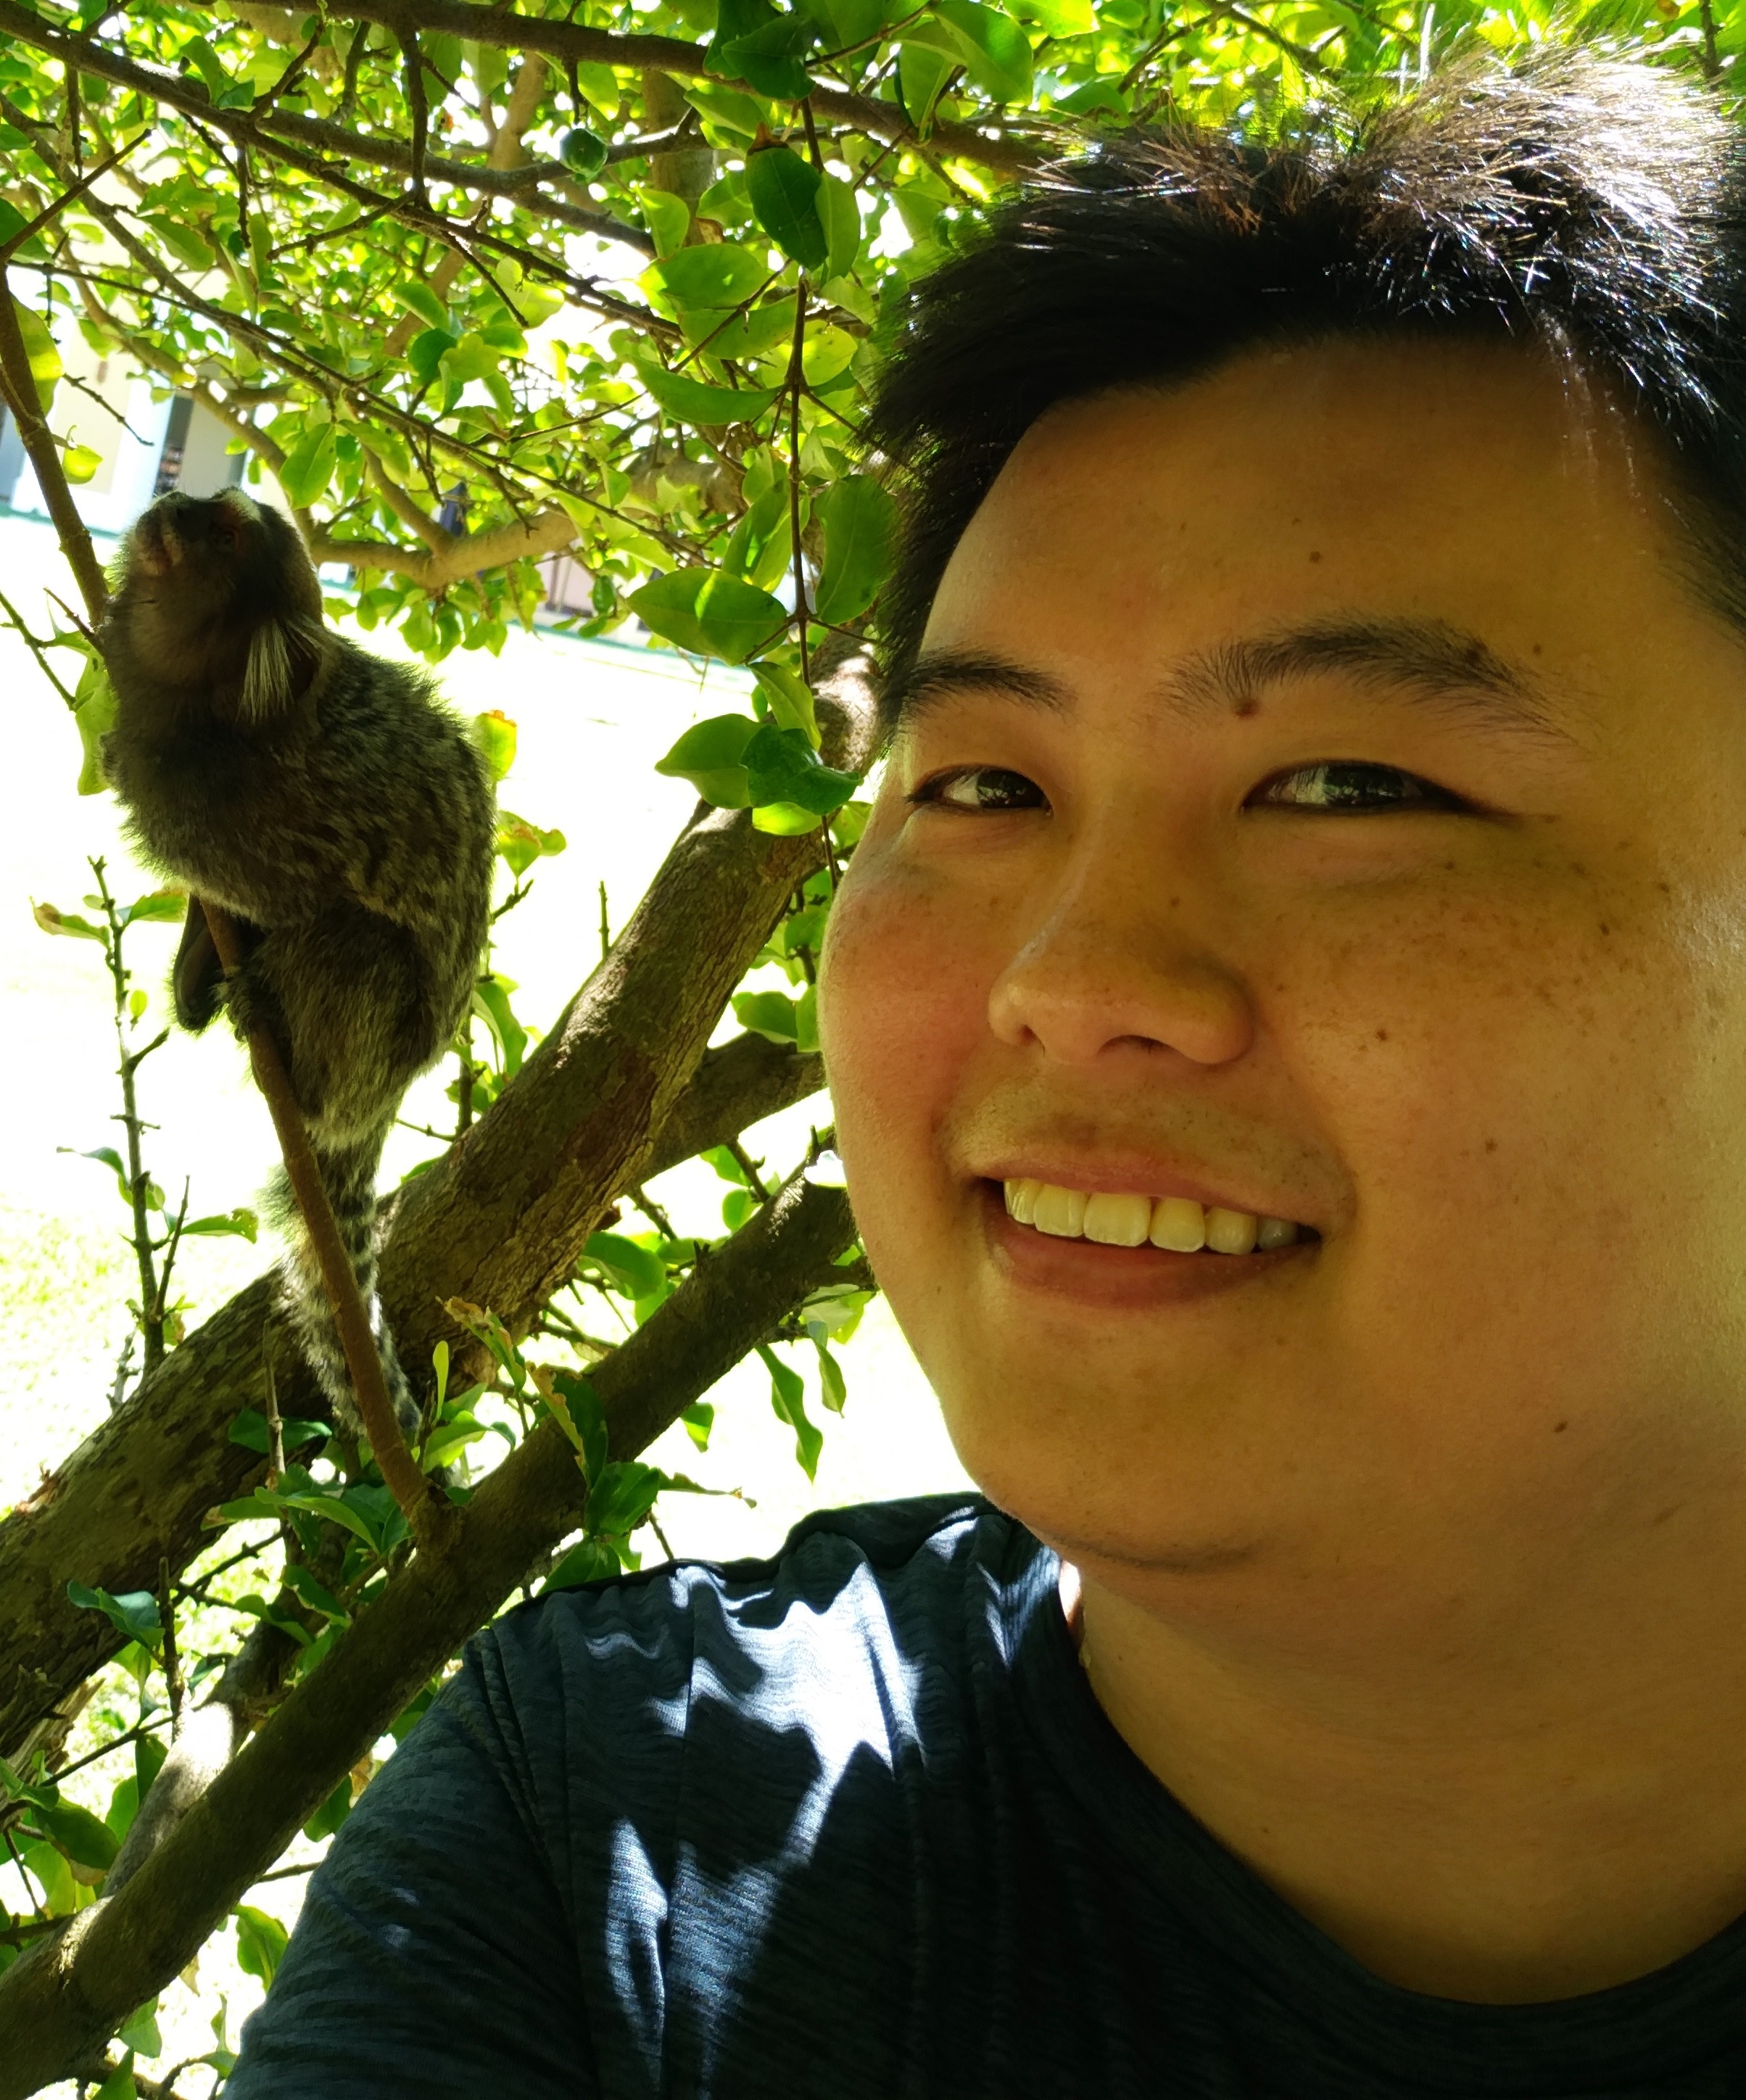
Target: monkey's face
{"type": "Point", "coordinates": [219, 594]}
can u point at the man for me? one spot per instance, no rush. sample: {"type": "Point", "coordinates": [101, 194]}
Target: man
{"type": "Point", "coordinates": [1287, 1024]}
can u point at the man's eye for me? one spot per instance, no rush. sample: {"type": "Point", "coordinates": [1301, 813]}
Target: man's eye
{"type": "Point", "coordinates": [981, 787]}
{"type": "Point", "coordinates": [1351, 784]}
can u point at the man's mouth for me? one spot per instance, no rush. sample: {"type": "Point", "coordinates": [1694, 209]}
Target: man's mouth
{"type": "Point", "coordinates": [1175, 1222]}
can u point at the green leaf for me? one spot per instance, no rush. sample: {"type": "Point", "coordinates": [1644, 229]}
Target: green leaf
{"type": "Point", "coordinates": [426, 352]}
{"type": "Point", "coordinates": [733, 111]}
{"type": "Point", "coordinates": [495, 734]}
{"type": "Point", "coordinates": [139, 2030]}
{"type": "Point", "coordinates": [699, 1418]}
{"type": "Point", "coordinates": [241, 1224]}
{"type": "Point", "coordinates": [59, 1890]}
{"type": "Point", "coordinates": [80, 464]}
{"type": "Point", "coordinates": [860, 521]}
{"type": "Point", "coordinates": [471, 358]}
{"type": "Point", "coordinates": [710, 613]}
{"type": "Point", "coordinates": [588, 1560]}
{"type": "Point", "coordinates": [1102, 97]}
{"type": "Point", "coordinates": [767, 58]}
{"type": "Point", "coordinates": [761, 544]}
{"type": "Point", "coordinates": [309, 467]}
{"type": "Point", "coordinates": [124, 1806]}
{"type": "Point", "coordinates": [52, 919]}
{"type": "Point", "coordinates": [784, 193]}
{"type": "Point", "coordinates": [833, 1386]}
{"type": "Point", "coordinates": [622, 1497]}
{"type": "Point", "coordinates": [39, 347]}
{"type": "Point", "coordinates": [791, 701]}
{"type": "Point", "coordinates": [105, 1155]}
{"type": "Point", "coordinates": [120, 2083]}
{"type": "Point", "coordinates": [577, 1406]}
{"type": "Point", "coordinates": [249, 1429]}
{"type": "Point", "coordinates": [770, 1014]}
{"type": "Point", "coordinates": [708, 756]}
{"type": "Point", "coordinates": [717, 274]}
{"type": "Point", "coordinates": [332, 1813]}
{"type": "Point", "coordinates": [520, 844]}
{"type": "Point", "coordinates": [635, 1271]}
{"type": "Point", "coordinates": [133, 1613]}
{"type": "Point", "coordinates": [782, 766]}
{"type": "Point", "coordinates": [1058, 17]}
{"type": "Point", "coordinates": [183, 241]}
{"type": "Point", "coordinates": [583, 153]}
{"type": "Point", "coordinates": [788, 1398]}
{"type": "Point", "coordinates": [149, 1753]}
{"type": "Point", "coordinates": [922, 71]}
{"type": "Point", "coordinates": [840, 215]}
{"type": "Point", "coordinates": [669, 219]}
{"type": "Point", "coordinates": [85, 1839]}
{"type": "Point", "coordinates": [418, 298]}
{"type": "Point", "coordinates": [163, 907]}
{"type": "Point", "coordinates": [692, 401]}
{"type": "Point", "coordinates": [491, 1003]}
{"type": "Point", "coordinates": [94, 701]}
{"type": "Point", "coordinates": [261, 1942]}
{"type": "Point", "coordinates": [997, 51]}
{"type": "Point", "coordinates": [785, 820]}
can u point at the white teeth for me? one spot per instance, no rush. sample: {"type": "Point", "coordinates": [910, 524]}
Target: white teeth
{"type": "Point", "coordinates": [1171, 1222]}
{"type": "Point", "coordinates": [1117, 1220]}
{"type": "Point", "coordinates": [1231, 1231]}
{"type": "Point", "coordinates": [1060, 1212]}
{"type": "Point", "coordinates": [1179, 1225]}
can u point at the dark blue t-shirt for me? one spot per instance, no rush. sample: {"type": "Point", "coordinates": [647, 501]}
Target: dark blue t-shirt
{"type": "Point", "coordinates": [849, 1823]}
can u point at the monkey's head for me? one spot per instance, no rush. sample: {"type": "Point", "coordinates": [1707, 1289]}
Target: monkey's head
{"type": "Point", "coordinates": [217, 603]}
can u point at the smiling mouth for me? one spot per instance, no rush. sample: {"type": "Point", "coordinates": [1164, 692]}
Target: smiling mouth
{"type": "Point", "coordinates": [1174, 1224]}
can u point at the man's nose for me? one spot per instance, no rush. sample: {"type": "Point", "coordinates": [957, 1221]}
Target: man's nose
{"type": "Point", "coordinates": [1102, 973]}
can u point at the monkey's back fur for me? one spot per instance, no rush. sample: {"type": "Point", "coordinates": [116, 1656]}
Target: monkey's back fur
{"type": "Point", "coordinates": [334, 807]}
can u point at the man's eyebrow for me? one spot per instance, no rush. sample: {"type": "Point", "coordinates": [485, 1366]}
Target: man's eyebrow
{"type": "Point", "coordinates": [946, 672]}
{"type": "Point", "coordinates": [1429, 658]}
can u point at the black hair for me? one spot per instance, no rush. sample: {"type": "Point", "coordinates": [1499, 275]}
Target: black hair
{"type": "Point", "coordinates": [1588, 207]}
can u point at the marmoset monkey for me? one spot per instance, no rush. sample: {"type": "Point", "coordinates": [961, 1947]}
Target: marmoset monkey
{"type": "Point", "coordinates": [336, 810]}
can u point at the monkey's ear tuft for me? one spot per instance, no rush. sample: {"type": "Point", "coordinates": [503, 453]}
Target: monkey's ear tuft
{"type": "Point", "coordinates": [283, 656]}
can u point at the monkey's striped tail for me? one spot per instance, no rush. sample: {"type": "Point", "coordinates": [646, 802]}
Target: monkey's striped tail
{"type": "Point", "coordinates": [348, 1174]}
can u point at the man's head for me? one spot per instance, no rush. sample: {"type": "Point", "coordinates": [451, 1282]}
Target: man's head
{"type": "Point", "coordinates": [1319, 792]}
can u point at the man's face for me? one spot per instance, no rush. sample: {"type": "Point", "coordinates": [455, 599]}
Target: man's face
{"type": "Point", "coordinates": [1320, 798]}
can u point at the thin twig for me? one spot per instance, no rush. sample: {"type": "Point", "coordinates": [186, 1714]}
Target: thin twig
{"type": "Point", "coordinates": [796, 376]}
{"type": "Point", "coordinates": [166, 1605]}
{"type": "Point", "coordinates": [418, 103]}
{"type": "Point", "coordinates": [39, 649]}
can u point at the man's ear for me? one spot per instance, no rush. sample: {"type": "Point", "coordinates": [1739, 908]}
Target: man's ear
{"type": "Point", "coordinates": [283, 657]}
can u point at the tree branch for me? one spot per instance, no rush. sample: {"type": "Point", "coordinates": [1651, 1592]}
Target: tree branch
{"type": "Point", "coordinates": [317, 133]}
{"type": "Point", "coordinates": [67, 1994]}
{"type": "Point", "coordinates": [566, 41]}
{"type": "Point", "coordinates": [547, 532]}
{"type": "Point", "coordinates": [18, 388]}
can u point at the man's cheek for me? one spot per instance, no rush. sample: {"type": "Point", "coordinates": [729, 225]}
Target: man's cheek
{"type": "Point", "coordinates": [899, 1010]}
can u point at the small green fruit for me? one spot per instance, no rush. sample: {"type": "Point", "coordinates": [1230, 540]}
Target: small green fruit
{"type": "Point", "coordinates": [583, 152]}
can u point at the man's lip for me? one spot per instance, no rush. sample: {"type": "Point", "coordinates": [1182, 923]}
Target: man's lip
{"type": "Point", "coordinates": [1110, 1177]}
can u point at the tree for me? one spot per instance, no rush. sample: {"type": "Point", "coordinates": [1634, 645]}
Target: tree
{"type": "Point", "coordinates": [475, 287]}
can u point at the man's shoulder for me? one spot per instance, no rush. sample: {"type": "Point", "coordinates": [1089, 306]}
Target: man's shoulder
{"type": "Point", "coordinates": [903, 1562]}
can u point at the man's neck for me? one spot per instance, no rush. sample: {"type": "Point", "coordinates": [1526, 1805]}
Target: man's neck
{"type": "Point", "coordinates": [1497, 1807]}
